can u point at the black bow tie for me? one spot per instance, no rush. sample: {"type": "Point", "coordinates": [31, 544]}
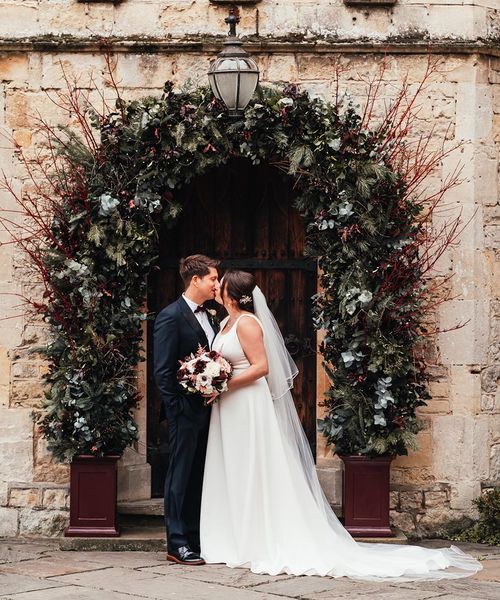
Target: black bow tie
{"type": "Point", "coordinates": [200, 308]}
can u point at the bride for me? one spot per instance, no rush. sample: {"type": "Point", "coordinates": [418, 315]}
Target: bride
{"type": "Point", "coordinates": [262, 504]}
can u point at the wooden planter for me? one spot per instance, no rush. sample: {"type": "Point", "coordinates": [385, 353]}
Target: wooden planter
{"type": "Point", "coordinates": [92, 510]}
{"type": "Point", "coordinates": [365, 496]}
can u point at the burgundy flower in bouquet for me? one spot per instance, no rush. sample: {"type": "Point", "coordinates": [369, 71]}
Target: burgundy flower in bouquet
{"type": "Point", "coordinates": [205, 373]}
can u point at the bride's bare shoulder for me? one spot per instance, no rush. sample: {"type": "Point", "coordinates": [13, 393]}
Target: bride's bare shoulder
{"type": "Point", "coordinates": [249, 326]}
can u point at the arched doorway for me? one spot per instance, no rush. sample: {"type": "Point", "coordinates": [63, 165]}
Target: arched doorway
{"type": "Point", "coordinates": [244, 215]}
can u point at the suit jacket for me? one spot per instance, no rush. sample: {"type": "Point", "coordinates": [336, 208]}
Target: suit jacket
{"type": "Point", "coordinates": [177, 333]}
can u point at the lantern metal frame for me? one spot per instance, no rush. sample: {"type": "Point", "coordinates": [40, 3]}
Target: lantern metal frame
{"type": "Point", "coordinates": [233, 50]}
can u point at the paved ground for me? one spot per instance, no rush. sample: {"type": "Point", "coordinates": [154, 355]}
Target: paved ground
{"type": "Point", "coordinates": [38, 570]}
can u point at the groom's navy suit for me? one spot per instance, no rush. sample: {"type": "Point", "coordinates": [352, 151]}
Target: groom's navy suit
{"type": "Point", "coordinates": [177, 333]}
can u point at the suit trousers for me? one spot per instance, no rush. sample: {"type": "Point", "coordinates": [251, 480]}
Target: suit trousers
{"type": "Point", "coordinates": [187, 436]}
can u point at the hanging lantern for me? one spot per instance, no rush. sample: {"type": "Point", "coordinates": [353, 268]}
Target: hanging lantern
{"type": "Point", "coordinates": [233, 75]}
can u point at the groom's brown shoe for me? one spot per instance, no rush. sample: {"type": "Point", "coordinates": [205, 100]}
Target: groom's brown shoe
{"type": "Point", "coordinates": [185, 556]}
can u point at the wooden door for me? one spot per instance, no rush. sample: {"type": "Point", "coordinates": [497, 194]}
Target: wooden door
{"type": "Point", "coordinates": [243, 215]}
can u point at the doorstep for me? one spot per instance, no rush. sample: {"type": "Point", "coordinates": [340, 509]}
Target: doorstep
{"type": "Point", "coordinates": [153, 506]}
{"type": "Point", "coordinates": [146, 533]}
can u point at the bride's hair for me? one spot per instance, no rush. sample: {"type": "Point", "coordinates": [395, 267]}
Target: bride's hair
{"type": "Point", "coordinates": [239, 286]}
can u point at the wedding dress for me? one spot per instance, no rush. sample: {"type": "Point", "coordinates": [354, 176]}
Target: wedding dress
{"type": "Point", "coordinates": [262, 504]}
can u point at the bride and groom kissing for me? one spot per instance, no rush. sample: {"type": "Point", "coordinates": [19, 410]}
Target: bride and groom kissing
{"type": "Point", "coordinates": [241, 487]}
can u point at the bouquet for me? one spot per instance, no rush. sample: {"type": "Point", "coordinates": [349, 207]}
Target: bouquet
{"type": "Point", "coordinates": [205, 373]}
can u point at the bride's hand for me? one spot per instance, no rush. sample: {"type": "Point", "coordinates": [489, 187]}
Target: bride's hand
{"type": "Point", "coordinates": [212, 399]}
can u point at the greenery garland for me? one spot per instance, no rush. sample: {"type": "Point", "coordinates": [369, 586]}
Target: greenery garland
{"type": "Point", "coordinates": [362, 225]}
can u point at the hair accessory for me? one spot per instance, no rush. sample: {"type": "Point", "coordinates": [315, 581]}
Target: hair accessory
{"type": "Point", "coordinates": [245, 299]}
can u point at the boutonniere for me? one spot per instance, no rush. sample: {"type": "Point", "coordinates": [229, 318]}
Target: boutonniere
{"type": "Point", "coordinates": [212, 315]}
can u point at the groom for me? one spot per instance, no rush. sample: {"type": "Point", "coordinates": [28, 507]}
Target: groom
{"type": "Point", "coordinates": [179, 329]}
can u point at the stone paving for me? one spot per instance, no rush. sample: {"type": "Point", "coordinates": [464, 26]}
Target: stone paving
{"type": "Point", "coordinates": [38, 570]}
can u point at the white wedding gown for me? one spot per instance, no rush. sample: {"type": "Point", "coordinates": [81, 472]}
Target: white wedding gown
{"type": "Point", "coordinates": [258, 510]}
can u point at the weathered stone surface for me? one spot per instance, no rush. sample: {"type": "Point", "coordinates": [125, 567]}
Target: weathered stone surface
{"type": "Point", "coordinates": [16, 445]}
{"type": "Point", "coordinates": [331, 483]}
{"type": "Point", "coordinates": [56, 499]}
{"type": "Point", "coordinates": [433, 499]}
{"type": "Point", "coordinates": [403, 521]}
{"type": "Point", "coordinates": [25, 497]}
{"type": "Point", "coordinates": [411, 501]}
{"type": "Point", "coordinates": [8, 521]}
{"type": "Point", "coordinates": [51, 523]}
{"type": "Point", "coordinates": [462, 494]}
{"type": "Point", "coordinates": [432, 520]}
{"type": "Point", "coordinates": [46, 468]}
{"type": "Point", "coordinates": [495, 462]}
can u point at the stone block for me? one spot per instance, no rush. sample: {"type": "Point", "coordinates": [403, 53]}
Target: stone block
{"type": "Point", "coordinates": [474, 111]}
{"type": "Point", "coordinates": [411, 476]}
{"type": "Point", "coordinates": [411, 501]}
{"type": "Point", "coordinates": [4, 377]}
{"type": "Point", "coordinates": [16, 445]}
{"type": "Point", "coordinates": [486, 176]}
{"type": "Point", "coordinates": [492, 236]}
{"type": "Point", "coordinates": [432, 520]}
{"type": "Point", "coordinates": [56, 499]}
{"type": "Point", "coordinates": [23, 137]}
{"type": "Point", "coordinates": [403, 521]}
{"type": "Point", "coordinates": [467, 344]}
{"type": "Point", "coordinates": [145, 70]}
{"type": "Point", "coordinates": [490, 377]}
{"type": "Point", "coordinates": [83, 70]}
{"type": "Point", "coordinates": [26, 393]}
{"type": "Point", "coordinates": [331, 483]}
{"type": "Point", "coordinates": [459, 443]}
{"type": "Point", "coordinates": [314, 67]}
{"type": "Point", "coordinates": [273, 18]}
{"type": "Point", "coordinates": [142, 18]}
{"type": "Point", "coordinates": [14, 68]}
{"type": "Point", "coordinates": [25, 370]}
{"type": "Point", "coordinates": [18, 19]}
{"type": "Point", "coordinates": [8, 522]}
{"type": "Point", "coordinates": [439, 389]}
{"type": "Point", "coordinates": [496, 99]}
{"type": "Point", "coordinates": [468, 22]}
{"type": "Point", "coordinates": [435, 406]}
{"type": "Point", "coordinates": [191, 68]}
{"type": "Point", "coordinates": [422, 457]}
{"type": "Point", "coordinates": [495, 461]}
{"type": "Point", "coordinates": [462, 493]}
{"type": "Point", "coordinates": [180, 18]}
{"type": "Point", "coordinates": [495, 430]}
{"type": "Point", "coordinates": [4, 493]}
{"type": "Point", "coordinates": [394, 500]}
{"type": "Point", "coordinates": [465, 390]}
{"type": "Point", "coordinates": [435, 499]}
{"type": "Point", "coordinates": [49, 523]}
{"type": "Point", "coordinates": [25, 497]}
{"type": "Point", "coordinates": [471, 276]}
{"type": "Point", "coordinates": [134, 482]}
{"type": "Point", "coordinates": [46, 468]}
{"type": "Point", "coordinates": [279, 67]}
{"type": "Point", "coordinates": [23, 109]}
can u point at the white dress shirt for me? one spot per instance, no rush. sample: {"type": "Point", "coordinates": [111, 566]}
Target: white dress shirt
{"type": "Point", "coordinates": [203, 320]}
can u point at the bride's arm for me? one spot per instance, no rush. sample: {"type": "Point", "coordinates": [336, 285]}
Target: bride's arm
{"type": "Point", "coordinates": [252, 341]}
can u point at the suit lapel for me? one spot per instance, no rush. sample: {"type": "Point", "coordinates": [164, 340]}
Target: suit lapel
{"type": "Point", "coordinates": [212, 324]}
{"type": "Point", "coordinates": [188, 314]}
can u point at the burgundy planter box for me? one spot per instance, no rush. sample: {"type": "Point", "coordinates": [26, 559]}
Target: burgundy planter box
{"type": "Point", "coordinates": [365, 496]}
{"type": "Point", "coordinates": [92, 510]}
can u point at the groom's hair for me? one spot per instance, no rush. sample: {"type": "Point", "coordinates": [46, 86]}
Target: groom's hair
{"type": "Point", "coordinates": [196, 264]}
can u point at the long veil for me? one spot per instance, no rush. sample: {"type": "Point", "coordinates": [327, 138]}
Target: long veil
{"type": "Point", "coordinates": [376, 561]}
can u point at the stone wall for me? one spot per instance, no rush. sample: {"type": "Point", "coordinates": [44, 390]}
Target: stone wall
{"type": "Point", "coordinates": [459, 446]}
